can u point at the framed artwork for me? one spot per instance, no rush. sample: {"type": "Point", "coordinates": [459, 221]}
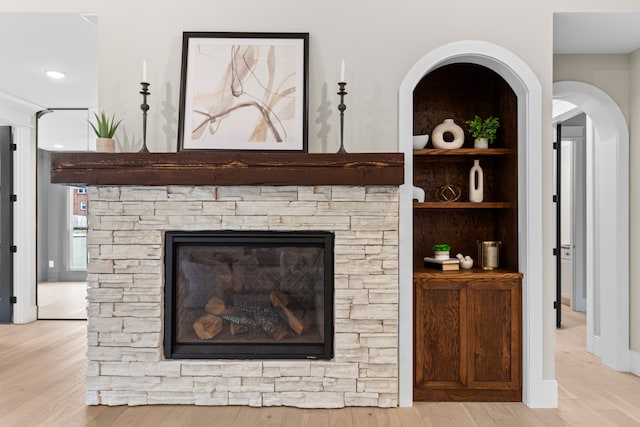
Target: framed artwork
{"type": "Point", "coordinates": [244, 91]}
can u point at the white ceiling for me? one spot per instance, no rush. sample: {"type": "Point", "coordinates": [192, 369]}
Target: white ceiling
{"type": "Point", "coordinates": [31, 43]}
{"type": "Point", "coordinates": [603, 33]}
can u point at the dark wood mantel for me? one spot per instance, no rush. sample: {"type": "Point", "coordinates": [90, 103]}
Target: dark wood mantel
{"type": "Point", "coordinates": [225, 168]}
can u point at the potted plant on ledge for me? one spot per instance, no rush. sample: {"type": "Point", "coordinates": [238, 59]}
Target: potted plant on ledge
{"type": "Point", "coordinates": [441, 251]}
{"type": "Point", "coordinates": [483, 130]}
{"type": "Point", "coordinates": [104, 129]}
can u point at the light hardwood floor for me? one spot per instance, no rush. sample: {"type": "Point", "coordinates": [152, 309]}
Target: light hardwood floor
{"type": "Point", "coordinates": [62, 300]}
{"type": "Point", "coordinates": [42, 384]}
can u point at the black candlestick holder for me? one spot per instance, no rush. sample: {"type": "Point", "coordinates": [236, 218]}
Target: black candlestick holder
{"type": "Point", "coordinates": [144, 107]}
{"type": "Point", "coordinates": [341, 108]}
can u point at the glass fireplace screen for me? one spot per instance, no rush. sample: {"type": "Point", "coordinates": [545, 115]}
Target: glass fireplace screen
{"type": "Point", "coordinates": [246, 295]}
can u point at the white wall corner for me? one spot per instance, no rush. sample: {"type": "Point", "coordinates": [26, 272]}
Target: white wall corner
{"type": "Point", "coordinates": [634, 358]}
{"type": "Point", "coordinates": [24, 226]}
{"type": "Point", "coordinates": [15, 111]}
{"type": "Point", "coordinates": [546, 396]}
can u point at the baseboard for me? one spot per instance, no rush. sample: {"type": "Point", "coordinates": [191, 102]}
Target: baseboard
{"type": "Point", "coordinates": [597, 345]}
{"type": "Point", "coordinates": [545, 397]}
{"type": "Point", "coordinates": [25, 314]}
{"type": "Point", "coordinates": [634, 361]}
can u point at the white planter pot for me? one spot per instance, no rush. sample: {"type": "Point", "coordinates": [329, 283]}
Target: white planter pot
{"type": "Point", "coordinates": [481, 143]}
{"type": "Point", "coordinates": [441, 254]}
{"type": "Point", "coordinates": [105, 145]}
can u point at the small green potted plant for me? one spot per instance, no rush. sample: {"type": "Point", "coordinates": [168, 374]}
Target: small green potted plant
{"type": "Point", "coordinates": [441, 251]}
{"type": "Point", "coordinates": [104, 129]}
{"type": "Point", "coordinates": [483, 130]}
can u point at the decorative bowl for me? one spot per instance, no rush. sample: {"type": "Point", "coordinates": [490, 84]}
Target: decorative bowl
{"type": "Point", "coordinates": [466, 263]}
{"type": "Point", "coordinates": [420, 141]}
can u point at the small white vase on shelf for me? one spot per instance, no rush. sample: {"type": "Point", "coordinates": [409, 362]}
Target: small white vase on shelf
{"type": "Point", "coordinates": [476, 190]}
{"type": "Point", "coordinates": [481, 143]}
{"type": "Point", "coordinates": [448, 126]}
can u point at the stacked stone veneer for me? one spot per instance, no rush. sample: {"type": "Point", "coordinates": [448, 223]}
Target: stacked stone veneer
{"type": "Point", "coordinates": [126, 365]}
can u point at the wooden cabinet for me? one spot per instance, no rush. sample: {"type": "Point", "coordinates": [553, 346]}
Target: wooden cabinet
{"type": "Point", "coordinates": [467, 324]}
{"type": "Point", "coordinates": [467, 336]}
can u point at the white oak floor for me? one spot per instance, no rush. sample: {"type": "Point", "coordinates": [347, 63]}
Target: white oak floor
{"type": "Point", "coordinates": [62, 300]}
{"type": "Point", "coordinates": [42, 384]}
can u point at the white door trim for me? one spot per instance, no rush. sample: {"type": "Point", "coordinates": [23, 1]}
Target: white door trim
{"type": "Point", "coordinates": [19, 114]}
{"type": "Point", "coordinates": [608, 297]}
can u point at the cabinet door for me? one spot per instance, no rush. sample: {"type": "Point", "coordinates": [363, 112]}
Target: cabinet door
{"type": "Point", "coordinates": [494, 335]}
{"type": "Point", "coordinates": [440, 336]}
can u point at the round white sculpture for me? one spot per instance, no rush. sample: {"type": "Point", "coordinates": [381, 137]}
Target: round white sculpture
{"type": "Point", "coordinates": [448, 126]}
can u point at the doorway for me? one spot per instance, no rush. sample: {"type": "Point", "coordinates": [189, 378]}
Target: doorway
{"type": "Point", "coordinates": [572, 144]}
{"type": "Point", "coordinates": [6, 224]}
{"type": "Point", "coordinates": [62, 219]}
{"type": "Point", "coordinates": [607, 223]}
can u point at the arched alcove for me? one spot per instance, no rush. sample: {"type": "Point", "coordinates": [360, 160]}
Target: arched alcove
{"type": "Point", "coordinates": [536, 391]}
{"type": "Point", "coordinates": [610, 254]}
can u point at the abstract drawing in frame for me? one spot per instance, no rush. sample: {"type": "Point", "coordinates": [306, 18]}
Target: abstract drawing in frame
{"type": "Point", "coordinates": [244, 91]}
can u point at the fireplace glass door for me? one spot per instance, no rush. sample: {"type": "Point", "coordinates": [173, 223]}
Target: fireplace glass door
{"type": "Point", "coordinates": [247, 295]}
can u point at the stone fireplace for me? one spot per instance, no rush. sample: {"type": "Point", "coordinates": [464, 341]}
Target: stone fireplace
{"type": "Point", "coordinates": [135, 199]}
{"type": "Point", "coordinates": [126, 361]}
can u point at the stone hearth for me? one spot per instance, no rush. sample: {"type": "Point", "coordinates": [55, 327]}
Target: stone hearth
{"type": "Point", "coordinates": [125, 297]}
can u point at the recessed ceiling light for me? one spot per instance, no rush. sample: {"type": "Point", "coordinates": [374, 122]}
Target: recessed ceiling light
{"type": "Point", "coordinates": [58, 146]}
{"type": "Point", "coordinates": [55, 74]}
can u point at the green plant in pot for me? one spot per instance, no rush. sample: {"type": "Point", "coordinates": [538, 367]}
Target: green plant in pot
{"type": "Point", "coordinates": [441, 251]}
{"type": "Point", "coordinates": [104, 129]}
{"type": "Point", "coordinates": [483, 130]}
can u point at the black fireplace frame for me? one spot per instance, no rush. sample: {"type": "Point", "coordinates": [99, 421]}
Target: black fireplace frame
{"type": "Point", "coordinates": [212, 350]}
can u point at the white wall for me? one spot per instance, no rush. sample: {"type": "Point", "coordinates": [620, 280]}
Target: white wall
{"type": "Point", "coordinates": [634, 199]}
{"type": "Point", "coordinates": [380, 44]}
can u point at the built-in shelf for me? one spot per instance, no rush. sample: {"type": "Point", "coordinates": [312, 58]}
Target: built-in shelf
{"type": "Point", "coordinates": [461, 205]}
{"type": "Point", "coordinates": [462, 152]}
{"type": "Point", "coordinates": [227, 168]}
{"type": "Point", "coordinates": [471, 274]}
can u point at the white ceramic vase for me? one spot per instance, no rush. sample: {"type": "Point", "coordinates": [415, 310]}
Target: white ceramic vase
{"type": "Point", "coordinates": [476, 190]}
{"type": "Point", "coordinates": [448, 126]}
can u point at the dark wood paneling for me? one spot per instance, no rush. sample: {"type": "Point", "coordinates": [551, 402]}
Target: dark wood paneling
{"type": "Point", "coordinates": [467, 395]}
{"type": "Point", "coordinates": [490, 335]}
{"type": "Point", "coordinates": [221, 168]}
{"type": "Point", "coordinates": [494, 334]}
{"type": "Point", "coordinates": [477, 355]}
{"type": "Point", "coordinates": [441, 307]}
{"type": "Point", "coordinates": [460, 91]}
